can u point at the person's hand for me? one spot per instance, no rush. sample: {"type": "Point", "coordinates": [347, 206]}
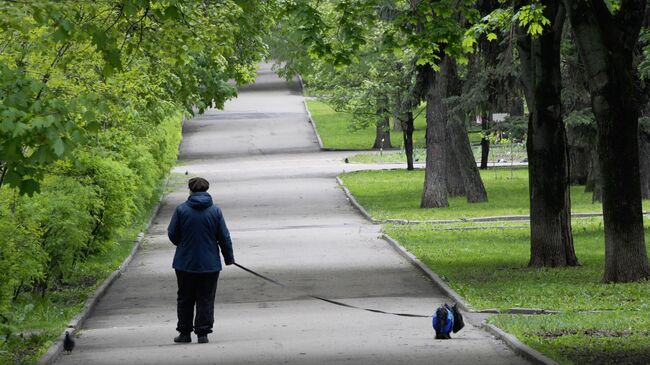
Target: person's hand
{"type": "Point", "coordinates": [228, 263]}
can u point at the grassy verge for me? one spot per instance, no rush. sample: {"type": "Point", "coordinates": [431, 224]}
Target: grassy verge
{"type": "Point", "coordinates": [337, 130]}
{"type": "Point", "coordinates": [488, 268]}
{"type": "Point", "coordinates": [503, 153]}
{"type": "Point", "coordinates": [396, 194]}
{"type": "Point", "coordinates": [41, 319]}
{"type": "Point", "coordinates": [620, 337]}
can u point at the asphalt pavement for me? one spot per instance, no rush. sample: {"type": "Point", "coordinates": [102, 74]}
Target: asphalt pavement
{"type": "Point", "coordinates": [288, 220]}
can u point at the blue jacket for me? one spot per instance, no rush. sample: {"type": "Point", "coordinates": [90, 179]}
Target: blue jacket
{"type": "Point", "coordinates": [198, 230]}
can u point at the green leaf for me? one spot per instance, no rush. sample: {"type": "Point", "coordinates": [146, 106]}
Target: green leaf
{"type": "Point", "coordinates": [40, 16]}
{"type": "Point", "coordinates": [60, 34]}
{"type": "Point", "coordinates": [29, 187]}
{"type": "Point", "coordinates": [113, 57]}
{"type": "Point", "coordinates": [469, 42]}
{"type": "Point", "coordinates": [20, 129]}
{"type": "Point", "coordinates": [491, 37]}
{"type": "Point", "coordinates": [100, 39]}
{"type": "Point", "coordinates": [58, 147]}
{"type": "Point", "coordinates": [7, 126]}
{"type": "Point", "coordinates": [42, 122]}
{"type": "Point", "coordinates": [172, 13]}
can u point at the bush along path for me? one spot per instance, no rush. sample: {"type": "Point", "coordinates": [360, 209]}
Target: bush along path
{"type": "Point", "coordinates": [567, 314]}
{"type": "Point", "coordinates": [61, 243]}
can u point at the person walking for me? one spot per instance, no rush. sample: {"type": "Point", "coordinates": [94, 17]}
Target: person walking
{"type": "Point", "coordinates": [199, 232]}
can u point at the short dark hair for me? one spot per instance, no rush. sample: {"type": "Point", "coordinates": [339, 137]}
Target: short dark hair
{"type": "Point", "coordinates": [198, 184]}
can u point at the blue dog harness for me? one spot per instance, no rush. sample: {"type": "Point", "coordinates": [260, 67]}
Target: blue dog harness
{"type": "Point", "coordinates": [438, 322]}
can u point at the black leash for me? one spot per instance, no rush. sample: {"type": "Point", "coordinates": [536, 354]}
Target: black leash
{"type": "Point", "coordinates": [328, 300]}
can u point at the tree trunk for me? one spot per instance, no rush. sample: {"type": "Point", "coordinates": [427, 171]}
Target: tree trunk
{"type": "Point", "coordinates": [382, 135]}
{"type": "Point", "coordinates": [485, 143]}
{"type": "Point", "coordinates": [474, 188]}
{"type": "Point", "coordinates": [407, 129]}
{"type": "Point", "coordinates": [397, 125]}
{"type": "Point", "coordinates": [548, 169]}
{"type": "Point", "coordinates": [434, 194]}
{"type": "Point", "coordinates": [606, 43]}
{"type": "Point", "coordinates": [644, 164]}
{"type": "Point", "coordinates": [594, 179]}
{"type": "Point", "coordinates": [578, 165]}
{"type": "Point", "coordinates": [455, 182]}
{"type": "Point", "coordinates": [459, 145]}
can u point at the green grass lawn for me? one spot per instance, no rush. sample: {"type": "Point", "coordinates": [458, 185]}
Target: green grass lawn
{"type": "Point", "coordinates": [488, 268]}
{"type": "Point", "coordinates": [621, 337]}
{"type": "Point", "coordinates": [337, 131]}
{"type": "Point", "coordinates": [498, 153]}
{"type": "Point", "coordinates": [395, 194]}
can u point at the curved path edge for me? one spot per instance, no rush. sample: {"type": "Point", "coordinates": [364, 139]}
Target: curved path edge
{"type": "Point", "coordinates": [509, 339]}
{"type": "Point", "coordinates": [518, 346]}
{"type": "Point", "coordinates": [310, 120]}
{"type": "Point", "coordinates": [55, 350]}
{"type": "Point", "coordinates": [429, 273]}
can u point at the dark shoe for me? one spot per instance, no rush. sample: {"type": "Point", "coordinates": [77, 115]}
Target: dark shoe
{"type": "Point", "coordinates": [183, 338]}
{"type": "Point", "coordinates": [203, 339]}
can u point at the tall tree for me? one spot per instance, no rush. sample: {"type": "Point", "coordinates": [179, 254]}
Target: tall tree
{"type": "Point", "coordinates": [428, 31]}
{"type": "Point", "coordinates": [548, 168]}
{"type": "Point", "coordinates": [434, 193]}
{"type": "Point", "coordinates": [606, 38]}
{"type": "Point", "coordinates": [438, 45]}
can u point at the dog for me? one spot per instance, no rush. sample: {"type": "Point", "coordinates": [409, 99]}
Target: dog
{"type": "Point", "coordinates": [446, 320]}
{"type": "Point", "coordinates": [443, 323]}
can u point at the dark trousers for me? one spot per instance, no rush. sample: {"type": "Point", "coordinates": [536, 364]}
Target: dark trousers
{"type": "Point", "coordinates": [196, 289]}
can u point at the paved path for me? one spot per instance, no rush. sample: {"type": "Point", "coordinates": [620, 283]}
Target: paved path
{"type": "Point", "coordinates": [288, 219]}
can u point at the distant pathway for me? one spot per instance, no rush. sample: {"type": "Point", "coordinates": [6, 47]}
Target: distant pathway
{"type": "Point", "coordinates": [289, 220]}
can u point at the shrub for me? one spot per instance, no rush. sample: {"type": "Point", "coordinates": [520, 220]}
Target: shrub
{"type": "Point", "coordinates": [22, 259]}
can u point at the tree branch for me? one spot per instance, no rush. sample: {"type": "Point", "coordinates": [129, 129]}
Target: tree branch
{"type": "Point", "coordinates": [46, 77]}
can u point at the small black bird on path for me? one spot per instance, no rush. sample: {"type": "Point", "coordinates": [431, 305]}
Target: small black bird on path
{"type": "Point", "coordinates": [68, 342]}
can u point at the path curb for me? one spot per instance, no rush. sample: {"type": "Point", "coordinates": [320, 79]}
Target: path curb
{"type": "Point", "coordinates": [437, 280]}
{"type": "Point", "coordinates": [354, 202]}
{"type": "Point", "coordinates": [504, 218]}
{"type": "Point", "coordinates": [77, 322]}
{"type": "Point", "coordinates": [310, 120]}
{"type": "Point", "coordinates": [519, 347]}
{"type": "Point", "coordinates": [313, 126]}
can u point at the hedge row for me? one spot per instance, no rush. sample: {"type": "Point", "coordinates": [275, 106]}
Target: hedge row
{"type": "Point", "coordinates": [84, 203]}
